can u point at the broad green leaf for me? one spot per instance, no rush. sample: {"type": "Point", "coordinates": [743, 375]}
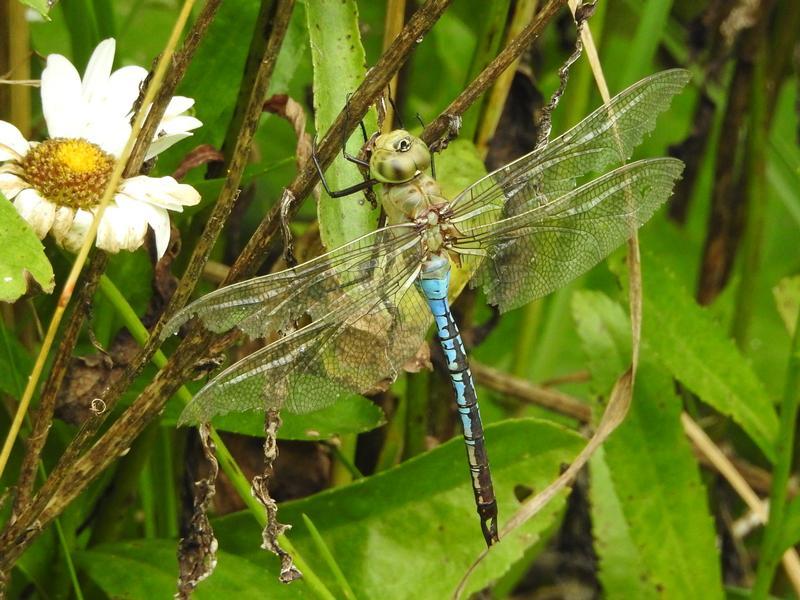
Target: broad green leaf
{"type": "Point", "coordinates": [650, 512]}
{"type": "Point", "coordinates": [354, 414]}
{"type": "Point", "coordinates": [787, 301]}
{"type": "Point", "coordinates": [338, 59]}
{"type": "Point", "coordinates": [143, 569]}
{"type": "Point", "coordinates": [411, 531]}
{"type": "Point", "coordinates": [699, 353]}
{"type": "Point", "coordinates": [23, 264]}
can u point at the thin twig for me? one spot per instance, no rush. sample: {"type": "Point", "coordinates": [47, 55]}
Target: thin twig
{"type": "Point", "coordinates": [111, 187]}
{"type": "Point", "coordinates": [72, 476]}
{"type": "Point", "coordinates": [171, 81]}
{"type": "Point", "coordinates": [97, 264]}
{"type": "Point", "coordinates": [439, 127]}
{"type": "Point", "coordinates": [44, 413]}
{"type": "Point", "coordinates": [519, 388]}
{"type": "Point", "coordinates": [373, 86]}
{"type": "Point", "coordinates": [203, 248]}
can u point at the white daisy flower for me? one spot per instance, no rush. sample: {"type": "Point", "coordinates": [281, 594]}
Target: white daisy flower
{"type": "Point", "coordinates": [56, 185]}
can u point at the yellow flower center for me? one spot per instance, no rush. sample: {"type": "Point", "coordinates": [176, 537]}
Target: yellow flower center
{"type": "Point", "coordinates": [68, 172]}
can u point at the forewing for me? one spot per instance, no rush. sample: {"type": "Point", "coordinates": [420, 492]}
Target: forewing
{"type": "Point", "coordinates": [362, 341]}
{"type": "Point", "coordinates": [275, 302]}
{"type": "Point", "coordinates": [606, 136]}
{"type": "Point", "coordinates": [533, 253]}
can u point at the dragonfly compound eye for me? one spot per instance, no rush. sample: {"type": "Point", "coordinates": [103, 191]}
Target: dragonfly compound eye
{"type": "Point", "coordinates": [398, 157]}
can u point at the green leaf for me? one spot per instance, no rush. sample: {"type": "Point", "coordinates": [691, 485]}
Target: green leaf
{"type": "Point", "coordinates": [606, 337]}
{"type": "Point", "coordinates": [15, 362]}
{"type": "Point", "coordinates": [338, 59]}
{"type": "Point", "coordinates": [787, 301]}
{"type": "Point", "coordinates": [149, 569]}
{"type": "Point", "coordinates": [40, 6]}
{"type": "Point", "coordinates": [620, 567]}
{"type": "Point", "coordinates": [412, 531]}
{"type": "Point", "coordinates": [23, 264]}
{"type": "Point", "coordinates": [354, 414]}
{"type": "Point", "coordinates": [215, 73]}
{"type": "Point", "coordinates": [698, 352]}
{"type": "Point", "coordinates": [791, 524]}
{"type": "Point", "coordinates": [649, 505]}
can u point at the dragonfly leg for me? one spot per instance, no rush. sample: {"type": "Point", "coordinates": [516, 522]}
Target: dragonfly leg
{"type": "Point", "coordinates": [367, 184]}
{"type": "Point", "coordinates": [345, 153]}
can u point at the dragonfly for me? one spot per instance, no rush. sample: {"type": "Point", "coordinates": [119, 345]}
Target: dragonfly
{"type": "Point", "coordinates": [352, 317]}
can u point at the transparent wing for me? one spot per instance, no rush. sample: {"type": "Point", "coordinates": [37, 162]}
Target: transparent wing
{"type": "Point", "coordinates": [533, 253]}
{"type": "Point", "coordinates": [362, 340]}
{"type": "Point", "coordinates": [275, 302]}
{"type": "Point", "coordinates": [606, 136]}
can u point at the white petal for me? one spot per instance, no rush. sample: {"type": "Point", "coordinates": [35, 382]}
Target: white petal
{"type": "Point", "coordinates": [121, 229]}
{"type": "Point", "coordinates": [157, 218]}
{"type": "Point", "coordinates": [62, 223]}
{"type": "Point", "coordinates": [38, 212]}
{"type": "Point", "coordinates": [123, 90]}
{"type": "Point", "coordinates": [179, 124]}
{"type": "Point", "coordinates": [13, 144]}
{"type": "Point", "coordinates": [11, 185]}
{"type": "Point", "coordinates": [73, 240]}
{"type": "Point", "coordinates": [110, 134]}
{"type": "Point", "coordinates": [62, 98]}
{"type": "Point", "coordinates": [165, 141]}
{"type": "Point", "coordinates": [95, 79]}
{"type": "Point", "coordinates": [164, 192]}
{"type": "Point", "coordinates": [178, 105]}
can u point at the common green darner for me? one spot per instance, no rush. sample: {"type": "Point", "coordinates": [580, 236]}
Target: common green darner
{"type": "Point", "coordinates": [352, 317]}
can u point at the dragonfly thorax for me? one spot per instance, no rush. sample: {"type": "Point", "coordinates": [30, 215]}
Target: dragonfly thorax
{"type": "Point", "coordinates": [409, 201]}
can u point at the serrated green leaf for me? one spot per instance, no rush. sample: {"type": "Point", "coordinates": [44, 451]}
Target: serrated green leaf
{"type": "Point", "coordinates": [619, 561]}
{"type": "Point", "coordinates": [23, 263]}
{"type": "Point", "coordinates": [338, 59]}
{"type": "Point", "coordinates": [650, 511]}
{"type": "Point", "coordinates": [699, 354]}
{"type": "Point", "coordinates": [412, 531]}
{"type": "Point", "coordinates": [350, 415]}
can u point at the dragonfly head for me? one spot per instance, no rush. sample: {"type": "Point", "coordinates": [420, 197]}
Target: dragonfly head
{"type": "Point", "coordinates": [398, 157]}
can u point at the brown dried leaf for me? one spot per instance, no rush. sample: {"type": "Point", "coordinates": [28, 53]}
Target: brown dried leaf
{"type": "Point", "coordinates": [201, 155]}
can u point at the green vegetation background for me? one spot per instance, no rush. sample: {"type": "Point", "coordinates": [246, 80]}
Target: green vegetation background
{"type": "Point", "coordinates": [408, 529]}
